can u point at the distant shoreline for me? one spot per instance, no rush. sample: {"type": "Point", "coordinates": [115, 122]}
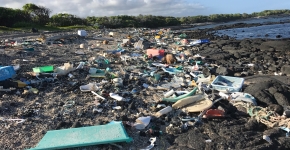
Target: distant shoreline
{"type": "Point", "coordinates": [180, 27]}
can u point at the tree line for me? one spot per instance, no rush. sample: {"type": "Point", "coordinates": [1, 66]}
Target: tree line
{"type": "Point", "coordinates": [34, 15]}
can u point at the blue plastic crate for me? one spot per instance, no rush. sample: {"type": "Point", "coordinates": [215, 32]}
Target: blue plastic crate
{"type": "Point", "coordinates": [6, 72]}
{"type": "Point", "coordinates": [227, 84]}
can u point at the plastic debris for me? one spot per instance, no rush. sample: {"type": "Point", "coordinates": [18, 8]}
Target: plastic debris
{"type": "Point", "coordinates": [142, 122]}
{"type": "Point", "coordinates": [199, 106]}
{"type": "Point", "coordinates": [43, 69]}
{"type": "Point", "coordinates": [6, 72]}
{"type": "Point", "coordinates": [99, 96]}
{"type": "Point", "coordinates": [287, 130]}
{"type": "Point", "coordinates": [163, 111]}
{"type": "Point", "coordinates": [188, 100]}
{"type": "Point", "coordinates": [17, 120]}
{"type": "Point", "coordinates": [169, 93]}
{"type": "Point", "coordinates": [81, 65]}
{"type": "Point", "coordinates": [227, 84]}
{"type": "Point", "coordinates": [181, 97]}
{"type": "Point", "coordinates": [89, 87]}
{"type": "Point", "coordinates": [245, 97]}
{"type": "Point", "coordinates": [117, 107]}
{"type": "Point", "coordinates": [171, 82]}
{"type": "Point", "coordinates": [116, 97]}
{"type": "Point", "coordinates": [65, 138]}
{"type": "Point", "coordinates": [152, 141]}
{"type": "Point", "coordinates": [267, 138]}
{"type": "Point", "coordinates": [65, 69]}
{"type": "Point", "coordinates": [214, 113]}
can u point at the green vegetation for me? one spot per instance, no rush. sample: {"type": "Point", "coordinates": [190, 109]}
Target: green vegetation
{"type": "Point", "coordinates": [35, 16]}
{"type": "Point", "coordinates": [3, 28]}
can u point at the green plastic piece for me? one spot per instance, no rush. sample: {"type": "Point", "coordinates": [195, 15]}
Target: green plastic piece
{"type": "Point", "coordinates": [179, 68]}
{"type": "Point", "coordinates": [197, 61]}
{"type": "Point", "coordinates": [84, 136]}
{"type": "Point", "coordinates": [29, 49]}
{"type": "Point", "coordinates": [98, 75]}
{"type": "Point", "coordinates": [157, 76]}
{"type": "Point", "coordinates": [181, 96]}
{"type": "Point", "coordinates": [182, 36]}
{"type": "Point", "coordinates": [110, 75]}
{"type": "Point", "coordinates": [43, 69]}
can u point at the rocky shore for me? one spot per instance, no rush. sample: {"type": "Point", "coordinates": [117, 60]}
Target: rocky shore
{"type": "Point", "coordinates": [263, 63]}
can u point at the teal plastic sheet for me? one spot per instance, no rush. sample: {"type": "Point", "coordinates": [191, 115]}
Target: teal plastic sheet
{"type": "Point", "coordinates": [84, 136]}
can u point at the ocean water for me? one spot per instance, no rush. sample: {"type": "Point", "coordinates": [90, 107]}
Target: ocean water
{"type": "Point", "coordinates": [263, 31]}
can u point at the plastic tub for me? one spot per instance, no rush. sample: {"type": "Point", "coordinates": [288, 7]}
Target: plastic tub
{"type": "Point", "coordinates": [227, 84]}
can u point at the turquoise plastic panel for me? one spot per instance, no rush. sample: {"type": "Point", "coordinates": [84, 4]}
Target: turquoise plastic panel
{"type": "Point", "coordinates": [84, 136]}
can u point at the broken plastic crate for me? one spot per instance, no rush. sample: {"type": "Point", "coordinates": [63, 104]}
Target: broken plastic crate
{"type": "Point", "coordinates": [6, 72]}
{"type": "Point", "coordinates": [227, 84]}
{"type": "Point", "coordinates": [84, 136]}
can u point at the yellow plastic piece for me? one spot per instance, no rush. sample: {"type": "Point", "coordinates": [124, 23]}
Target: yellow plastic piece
{"type": "Point", "coordinates": [157, 37]}
{"type": "Point", "coordinates": [21, 84]}
{"type": "Point", "coordinates": [212, 78]}
{"type": "Point", "coordinates": [193, 83]}
{"type": "Point", "coordinates": [33, 90]}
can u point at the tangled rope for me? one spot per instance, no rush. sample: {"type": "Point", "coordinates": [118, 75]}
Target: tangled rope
{"type": "Point", "coordinates": [269, 118]}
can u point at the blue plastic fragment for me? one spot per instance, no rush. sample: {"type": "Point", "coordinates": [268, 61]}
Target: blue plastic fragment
{"type": "Point", "coordinates": [287, 130]}
{"type": "Point", "coordinates": [190, 119]}
{"type": "Point", "coordinates": [6, 72]}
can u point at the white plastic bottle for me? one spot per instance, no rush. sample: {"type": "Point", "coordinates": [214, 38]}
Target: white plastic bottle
{"type": "Point", "coordinates": [163, 111]}
{"type": "Point", "coordinates": [169, 93]}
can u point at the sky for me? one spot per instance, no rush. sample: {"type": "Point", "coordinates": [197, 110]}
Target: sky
{"type": "Point", "coordinates": [176, 8]}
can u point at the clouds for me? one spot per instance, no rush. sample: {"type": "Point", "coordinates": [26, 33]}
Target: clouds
{"type": "Point", "coordinates": [84, 8]}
